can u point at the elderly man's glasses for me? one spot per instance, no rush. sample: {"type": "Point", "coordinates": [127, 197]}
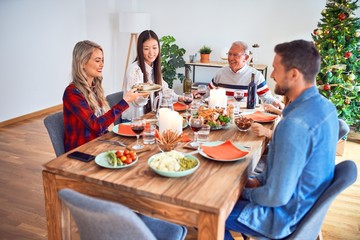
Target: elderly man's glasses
{"type": "Point", "coordinates": [236, 55]}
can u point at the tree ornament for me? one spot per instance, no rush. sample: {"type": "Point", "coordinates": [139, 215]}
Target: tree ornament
{"type": "Point", "coordinates": [329, 74]}
{"type": "Point", "coordinates": [327, 87]}
{"type": "Point", "coordinates": [327, 31]}
{"type": "Point", "coordinates": [347, 55]}
{"type": "Point", "coordinates": [342, 16]}
{"type": "Point", "coordinates": [347, 101]}
{"type": "Point", "coordinates": [319, 32]}
{"type": "Point", "coordinates": [315, 31]}
{"type": "Point", "coordinates": [323, 11]}
{"type": "Point", "coordinates": [357, 33]}
{"type": "Point", "coordinates": [351, 76]}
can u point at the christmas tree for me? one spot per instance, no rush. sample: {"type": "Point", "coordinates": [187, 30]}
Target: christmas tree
{"type": "Point", "coordinates": [337, 38]}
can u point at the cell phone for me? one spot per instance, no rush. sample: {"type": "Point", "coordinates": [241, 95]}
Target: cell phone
{"type": "Point", "coordinates": [81, 156]}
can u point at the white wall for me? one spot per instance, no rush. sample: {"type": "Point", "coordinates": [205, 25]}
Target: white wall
{"type": "Point", "coordinates": [37, 38]}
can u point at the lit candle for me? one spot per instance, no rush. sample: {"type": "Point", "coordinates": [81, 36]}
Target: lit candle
{"type": "Point", "coordinates": [164, 120]}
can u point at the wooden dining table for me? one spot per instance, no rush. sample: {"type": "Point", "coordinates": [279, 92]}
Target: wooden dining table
{"type": "Point", "coordinates": [202, 200]}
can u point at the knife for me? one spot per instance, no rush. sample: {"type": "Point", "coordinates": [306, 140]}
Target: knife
{"type": "Point", "coordinates": [113, 142]}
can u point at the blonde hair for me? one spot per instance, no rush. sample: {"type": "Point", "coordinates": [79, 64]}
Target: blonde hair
{"type": "Point", "coordinates": [94, 94]}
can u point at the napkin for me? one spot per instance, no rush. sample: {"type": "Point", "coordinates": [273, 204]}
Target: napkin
{"type": "Point", "coordinates": [125, 129]}
{"type": "Point", "coordinates": [261, 117]}
{"type": "Point", "coordinates": [179, 106]}
{"type": "Point", "coordinates": [225, 151]}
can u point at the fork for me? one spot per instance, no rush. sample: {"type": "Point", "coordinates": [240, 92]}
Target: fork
{"type": "Point", "coordinates": [113, 142]}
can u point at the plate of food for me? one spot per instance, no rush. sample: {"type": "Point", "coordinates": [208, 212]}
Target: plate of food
{"type": "Point", "coordinates": [147, 87]}
{"type": "Point", "coordinates": [224, 151]}
{"type": "Point", "coordinates": [116, 159]}
{"type": "Point", "coordinates": [173, 164]}
{"type": "Point", "coordinates": [260, 116]}
{"type": "Point", "coordinates": [124, 129]}
{"type": "Point", "coordinates": [217, 118]}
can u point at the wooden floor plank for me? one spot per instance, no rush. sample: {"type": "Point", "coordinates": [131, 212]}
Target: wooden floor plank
{"type": "Point", "coordinates": [25, 147]}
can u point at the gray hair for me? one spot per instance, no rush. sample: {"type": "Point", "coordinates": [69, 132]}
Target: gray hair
{"type": "Point", "coordinates": [243, 45]}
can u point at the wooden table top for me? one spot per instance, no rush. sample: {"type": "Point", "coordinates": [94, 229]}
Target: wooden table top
{"type": "Point", "coordinates": [206, 189]}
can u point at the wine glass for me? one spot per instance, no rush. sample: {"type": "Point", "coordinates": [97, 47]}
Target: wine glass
{"type": "Point", "coordinates": [137, 126]}
{"type": "Point", "coordinates": [238, 96]}
{"type": "Point", "coordinates": [196, 123]}
{"type": "Point", "coordinates": [187, 98]}
{"type": "Point", "coordinates": [202, 91]}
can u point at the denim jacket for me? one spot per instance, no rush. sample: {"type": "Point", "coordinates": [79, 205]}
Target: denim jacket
{"type": "Point", "coordinates": [300, 166]}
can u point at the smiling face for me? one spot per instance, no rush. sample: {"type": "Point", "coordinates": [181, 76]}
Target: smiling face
{"type": "Point", "coordinates": [150, 50]}
{"type": "Point", "coordinates": [236, 57]}
{"type": "Point", "coordinates": [93, 68]}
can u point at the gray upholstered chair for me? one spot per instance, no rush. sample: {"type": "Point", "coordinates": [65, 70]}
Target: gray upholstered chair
{"type": "Point", "coordinates": [343, 129]}
{"type": "Point", "coordinates": [114, 99]}
{"type": "Point", "coordinates": [101, 219]}
{"type": "Point", "coordinates": [310, 226]}
{"type": "Point", "coordinates": [54, 124]}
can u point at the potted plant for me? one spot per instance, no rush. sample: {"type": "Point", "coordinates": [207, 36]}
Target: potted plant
{"type": "Point", "coordinates": [205, 54]}
{"type": "Point", "coordinates": [171, 60]}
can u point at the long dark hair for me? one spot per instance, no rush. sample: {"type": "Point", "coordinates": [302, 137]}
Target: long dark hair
{"type": "Point", "coordinates": [144, 36]}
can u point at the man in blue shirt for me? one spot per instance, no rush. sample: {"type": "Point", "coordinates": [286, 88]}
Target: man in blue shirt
{"type": "Point", "coordinates": [301, 157]}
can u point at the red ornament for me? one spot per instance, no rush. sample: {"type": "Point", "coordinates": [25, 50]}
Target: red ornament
{"type": "Point", "coordinates": [315, 31]}
{"type": "Point", "coordinates": [347, 55]}
{"type": "Point", "coordinates": [327, 87]}
{"type": "Point", "coordinates": [342, 16]}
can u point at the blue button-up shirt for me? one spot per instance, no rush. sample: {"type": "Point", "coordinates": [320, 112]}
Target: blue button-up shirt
{"type": "Point", "coordinates": [300, 166]}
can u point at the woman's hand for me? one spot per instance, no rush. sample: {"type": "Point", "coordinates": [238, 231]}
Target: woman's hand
{"type": "Point", "coordinates": [132, 95]}
{"type": "Point", "coordinates": [260, 130]}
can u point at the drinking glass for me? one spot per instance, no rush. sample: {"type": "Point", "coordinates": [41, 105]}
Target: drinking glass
{"type": "Point", "coordinates": [202, 91]}
{"type": "Point", "coordinates": [187, 98]}
{"type": "Point", "coordinates": [137, 126]}
{"type": "Point", "coordinates": [196, 123]}
{"type": "Point", "coordinates": [238, 96]}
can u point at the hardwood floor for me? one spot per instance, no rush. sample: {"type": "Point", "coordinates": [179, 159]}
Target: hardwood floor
{"type": "Point", "coordinates": [25, 147]}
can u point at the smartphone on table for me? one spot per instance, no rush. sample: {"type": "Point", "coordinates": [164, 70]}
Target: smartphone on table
{"type": "Point", "coordinates": [81, 156]}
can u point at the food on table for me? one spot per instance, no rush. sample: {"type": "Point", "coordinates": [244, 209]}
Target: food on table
{"type": "Point", "coordinates": [214, 116]}
{"type": "Point", "coordinates": [172, 161]}
{"type": "Point", "coordinates": [168, 139]}
{"type": "Point", "coordinates": [120, 158]}
{"type": "Point", "coordinates": [243, 123]}
{"type": "Point", "coordinates": [143, 87]}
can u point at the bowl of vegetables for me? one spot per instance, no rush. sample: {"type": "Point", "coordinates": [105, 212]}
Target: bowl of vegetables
{"type": "Point", "coordinates": [173, 164]}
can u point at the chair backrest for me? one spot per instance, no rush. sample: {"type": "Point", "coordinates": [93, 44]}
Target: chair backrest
{"type": "Point", "coordinates": [54, 124]}
{"type": "Point", "coordinates": [101, 219]}
{"type": "Point", "coordinates": [343, 129]}
{"type": "Point", "coordinates": [114, 99]}
{"type": "Point", "coordinates": [310, 225]}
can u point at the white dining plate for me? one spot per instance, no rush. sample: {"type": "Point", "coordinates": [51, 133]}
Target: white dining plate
{"type": "Point", "coordinates": [174, 174]}
{"type": "Point", "coordinates": [102, 161]}
{"type": "Point", "coordinates": [116, 130]}
{"type": "Point", "coordinates": [265, 113]}
{"type": "Point", "coordinates": [216, 143]}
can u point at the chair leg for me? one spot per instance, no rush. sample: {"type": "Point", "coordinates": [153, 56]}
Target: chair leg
{"type": "Point", "coordinates": [319, 237]}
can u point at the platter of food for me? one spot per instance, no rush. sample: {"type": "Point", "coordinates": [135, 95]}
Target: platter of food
{"type": "Point", "coordinates": [116, 159]}
{"type": "Point", "coordinates": [147, 87]}
{"type": "Point", "coordinates": [217, 118]}
{"type": "Point", "coordinates": [173, 164]}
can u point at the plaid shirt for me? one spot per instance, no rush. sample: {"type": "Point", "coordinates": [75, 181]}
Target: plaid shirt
{"type": "Point", "coordinates": [81, 123]}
